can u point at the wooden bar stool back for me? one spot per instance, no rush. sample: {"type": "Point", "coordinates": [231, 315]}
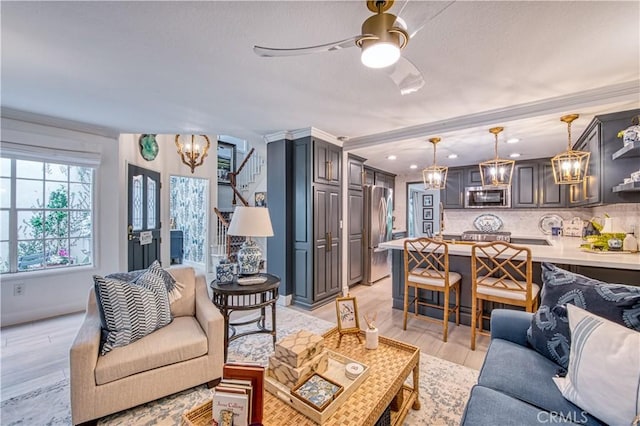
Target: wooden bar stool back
{"type": "Point", "coordinates": [500, 272]}
{"type": "Point", "coordinates": [426, 267]}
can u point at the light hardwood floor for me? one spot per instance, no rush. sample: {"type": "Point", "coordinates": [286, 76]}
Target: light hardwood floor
{"type": "Point", "coordinates": [36, 354]}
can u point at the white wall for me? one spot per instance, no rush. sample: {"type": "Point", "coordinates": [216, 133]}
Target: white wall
{"type": "Point", "coordinates": [53, 293]}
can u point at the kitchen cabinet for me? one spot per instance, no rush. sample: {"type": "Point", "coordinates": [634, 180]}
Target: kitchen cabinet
{"type": "Point", "coordinates": [355, 172]}
{"type": "Point", "coordinates": [327, 162]}
{"type": "Point", "coordinates": [452, 195]}
{"type": "Point", "coordinates": [605, 172]}
{"type": "Point", "coordinates": [369, 176]}
{"type": "Point", "coordinates": [306, 208]}
{"type": "Point", "coordinates": [534, 186]}
{"type": "Point", "coordinates": [355, 219]}
{"type": "Point", "coordinates": [473, 177]}
{"type": "Point", "coordinates": [355, 211]}
{"type": "Point", "coordinates": [326, 237]}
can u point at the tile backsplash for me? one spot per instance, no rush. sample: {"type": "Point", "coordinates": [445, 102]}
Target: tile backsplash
{"type": "Point", "coordinates": [525, 221]}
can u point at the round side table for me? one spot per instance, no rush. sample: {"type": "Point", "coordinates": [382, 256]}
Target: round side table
{"type": "Point", "coordinates": [235, 297]}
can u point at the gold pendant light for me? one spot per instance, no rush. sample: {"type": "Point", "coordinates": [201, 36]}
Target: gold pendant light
{"type": "Point", "coordinates": [193, 153]}
{"type": "Point", "coordinates": [570, 166]}
{"type": "Point", "coordinates": [496, 172]}
{"type": "Point", "coordinates": [434, 176]}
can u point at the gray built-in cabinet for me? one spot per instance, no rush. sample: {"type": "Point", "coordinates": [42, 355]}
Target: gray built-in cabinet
{"type": "Point", "coordinates": [304, 187]}
{"type": "Point", "coordinates": [355, 219]}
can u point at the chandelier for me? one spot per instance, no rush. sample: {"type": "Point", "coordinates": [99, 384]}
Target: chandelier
{"type": "Point", "coordinates": [496, 172]}
{"type": "Point", "coordinates": [434, 176]}
{"type": "Point", "coordinates": [193, 153]}
{"type": "Point", "coordinates": [570, 166]}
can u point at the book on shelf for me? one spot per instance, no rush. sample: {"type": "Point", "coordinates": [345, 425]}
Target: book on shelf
{"type": "Point", "coordinates": [253, 373]}
{"type": "Point", "coordinates": [230, 408]}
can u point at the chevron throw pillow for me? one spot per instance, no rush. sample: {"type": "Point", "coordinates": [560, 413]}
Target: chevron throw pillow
{"type": "Point", "coordinates": [131, 310]}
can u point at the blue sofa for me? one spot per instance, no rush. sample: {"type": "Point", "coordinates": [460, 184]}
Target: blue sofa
{"type": "Point", "coordinates": [515, 386]}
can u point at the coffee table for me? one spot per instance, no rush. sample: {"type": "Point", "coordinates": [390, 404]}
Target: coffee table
{"type": "Point", "coordinates": [390, 366]}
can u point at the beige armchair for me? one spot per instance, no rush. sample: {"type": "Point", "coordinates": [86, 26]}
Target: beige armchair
{"type": "Point", "coordinates": [186, 353]}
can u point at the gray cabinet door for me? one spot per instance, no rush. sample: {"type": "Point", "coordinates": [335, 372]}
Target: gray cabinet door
{"type": "Point", "coordinates": [551, 194]}
{"type": "Point", "coordinates": [355, 174]}
{"type": "Point", "coordinates": [452, 195]}
{"type": "Point", "coordinates": [524, 193]}
{"type": "Point", "coordinates": [327, 161]}
{"type": "Point", "coordinates": [588, 192]}
{"type": "Point", "coordinates": [326, 224]}
{"type": "Point", "coordinates": [369, 177]}
{"type": "Point", "coordinates": [355, 247]}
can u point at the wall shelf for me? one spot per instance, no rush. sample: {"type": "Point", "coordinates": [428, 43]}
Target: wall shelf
{"type": "Point", "coordinates": [630, 150]}
{"type": "Point", "coordinates": [627, 187]}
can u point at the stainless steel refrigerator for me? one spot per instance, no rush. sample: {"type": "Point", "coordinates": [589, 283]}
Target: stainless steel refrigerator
{"type": "Point", "coordinates": [378, 223]}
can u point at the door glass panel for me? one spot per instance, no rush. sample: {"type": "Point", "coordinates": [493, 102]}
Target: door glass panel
{"type": "Point", "coordinates": [136, 203]}
{"type": "Point", "coordinates": [151, 203]}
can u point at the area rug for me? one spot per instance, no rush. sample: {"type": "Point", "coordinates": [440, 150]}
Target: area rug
{"type": "Point", "coordinates": [444, 388]}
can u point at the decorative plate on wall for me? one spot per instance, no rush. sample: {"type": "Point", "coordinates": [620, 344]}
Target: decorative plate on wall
{"type": "Point", "coordinates": [148, 147]}
{"type": "Point", "coordinates": [488, 223]}
{"type": "Point", "coordinates": [549, 221]}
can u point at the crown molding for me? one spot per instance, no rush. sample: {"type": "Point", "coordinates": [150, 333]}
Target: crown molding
{"type": "Point", "coordinates": [560, 104]}
{"type": "Point", "coordinates": [302, 133]}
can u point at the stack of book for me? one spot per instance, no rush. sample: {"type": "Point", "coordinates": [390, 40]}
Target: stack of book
{"type": "Point", "coordinates": [238, 399]}
{"type": "Point", "coordinates": [297, 357]}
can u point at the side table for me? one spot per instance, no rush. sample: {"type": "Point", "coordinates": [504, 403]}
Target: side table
{"type": "Point", "coordinates": [235, 297]}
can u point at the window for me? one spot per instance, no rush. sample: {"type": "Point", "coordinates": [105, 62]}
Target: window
{"type": "Point", "coordinates": [46, 214]}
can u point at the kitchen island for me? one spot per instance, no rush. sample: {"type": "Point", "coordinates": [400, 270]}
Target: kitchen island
{"type": "Point", "coordinates": [564, 252]}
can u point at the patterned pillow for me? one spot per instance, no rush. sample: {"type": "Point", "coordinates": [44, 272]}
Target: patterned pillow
{"type": "Point", "coordinates": [549, 331]}
{"type": "Point", "coordinates": [174, 288]}
{"type": "Point", "coordinates": [131, 310]}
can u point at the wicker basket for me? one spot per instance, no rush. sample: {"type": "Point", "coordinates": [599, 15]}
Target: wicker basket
{"type": "Point", "coordinates": [198, 416]}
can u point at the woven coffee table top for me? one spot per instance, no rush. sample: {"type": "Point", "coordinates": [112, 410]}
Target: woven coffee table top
{"type": "Point", "coordinates": [390, 365]}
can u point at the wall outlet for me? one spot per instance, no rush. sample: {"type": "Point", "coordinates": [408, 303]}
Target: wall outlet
{"type": "Point", "coordinates": [18, 289]}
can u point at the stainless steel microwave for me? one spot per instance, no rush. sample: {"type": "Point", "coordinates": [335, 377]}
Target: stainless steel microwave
{"type": "Point", "coordinates": [476, 197]}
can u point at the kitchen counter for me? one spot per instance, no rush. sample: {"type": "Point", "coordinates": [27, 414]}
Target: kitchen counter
{"type": "Point", "coordinates": [563, 250]}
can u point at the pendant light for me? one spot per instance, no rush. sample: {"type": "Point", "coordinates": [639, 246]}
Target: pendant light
{"type": "Point", "coordinates": [496, 172]}
{"type": "Point", "coordinates": [570, 166]}
{"type": "Point", "coordinates": [192, 153]}
{"type": "Point", "coordinates": [434, 176]}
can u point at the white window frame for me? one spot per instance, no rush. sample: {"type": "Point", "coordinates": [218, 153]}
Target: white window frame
{"type": "Point", "coordinates": [16, 151]}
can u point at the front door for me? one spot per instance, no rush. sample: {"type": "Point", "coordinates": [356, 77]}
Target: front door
{"type": "Point", "coordinates": [143, 217]}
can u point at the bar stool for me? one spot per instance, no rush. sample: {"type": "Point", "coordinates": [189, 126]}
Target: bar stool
{"type": "Point", "coordinates": [500, 272]}
{"type": "Point", "coordinates": [426, 267]}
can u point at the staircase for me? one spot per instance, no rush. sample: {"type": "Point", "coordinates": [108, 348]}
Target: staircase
{"type": "Point", "coordinates": [243, 182]}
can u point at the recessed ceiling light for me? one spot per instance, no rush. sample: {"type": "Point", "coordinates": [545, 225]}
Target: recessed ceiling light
{"type": "Point", "coordinates": [391, 157]}
{"type": "Point", "coordinates": [452, 156]}
{"type": "Point", "coordinates": [413, 166]}
{"type": "Point", "coordinates": [514, 155]}
{"type": "Point", "coordinates": [513, 140]}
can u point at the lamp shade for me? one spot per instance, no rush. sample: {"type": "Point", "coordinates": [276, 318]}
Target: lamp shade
{"type": "Point", "coordinates": [250, 222]}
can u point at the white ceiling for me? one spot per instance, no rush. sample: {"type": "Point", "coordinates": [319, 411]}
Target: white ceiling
{"type": "Point", "coordinates": [188, 67]}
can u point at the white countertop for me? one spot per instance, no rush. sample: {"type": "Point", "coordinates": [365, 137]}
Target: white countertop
{"type": "Point", "coordinates": [562, 250]}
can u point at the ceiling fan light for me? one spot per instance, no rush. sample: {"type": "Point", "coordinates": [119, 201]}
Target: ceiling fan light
{"type": "Point", "coordinates": [380, 55]}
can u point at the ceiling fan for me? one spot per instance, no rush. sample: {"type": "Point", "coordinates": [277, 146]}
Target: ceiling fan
{"type": "Point", "coordinates": [381, 41]}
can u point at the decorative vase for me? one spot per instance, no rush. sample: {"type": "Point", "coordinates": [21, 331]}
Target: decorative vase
{"type": "Point", "coordinates": [224, 272]}
{"type": "Point", "coordinates": [249, 257]}
{"type": "Point", "coordinates": [371, 338]}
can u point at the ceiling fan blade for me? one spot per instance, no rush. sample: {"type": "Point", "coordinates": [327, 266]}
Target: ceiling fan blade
{"type": "Point", "coordinates": [414, 15]}
{"type": "Point", "coordinates": [406, 76]}
{"type": "Point", "coordinates": [336, 45]}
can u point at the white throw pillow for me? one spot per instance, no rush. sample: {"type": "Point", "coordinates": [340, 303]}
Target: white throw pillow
{"type": "Point", "coordinates": [604, 368]}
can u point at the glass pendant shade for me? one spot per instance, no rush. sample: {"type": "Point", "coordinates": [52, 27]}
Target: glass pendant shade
{"type": "Point", "coordinates": [193, 153]}
{"type": "Point", "coordinates": [570, 166]}
{"type": "Point", "coordinates": [434, 176]}
{"type": "Point", "coordinates": [496, 172]}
